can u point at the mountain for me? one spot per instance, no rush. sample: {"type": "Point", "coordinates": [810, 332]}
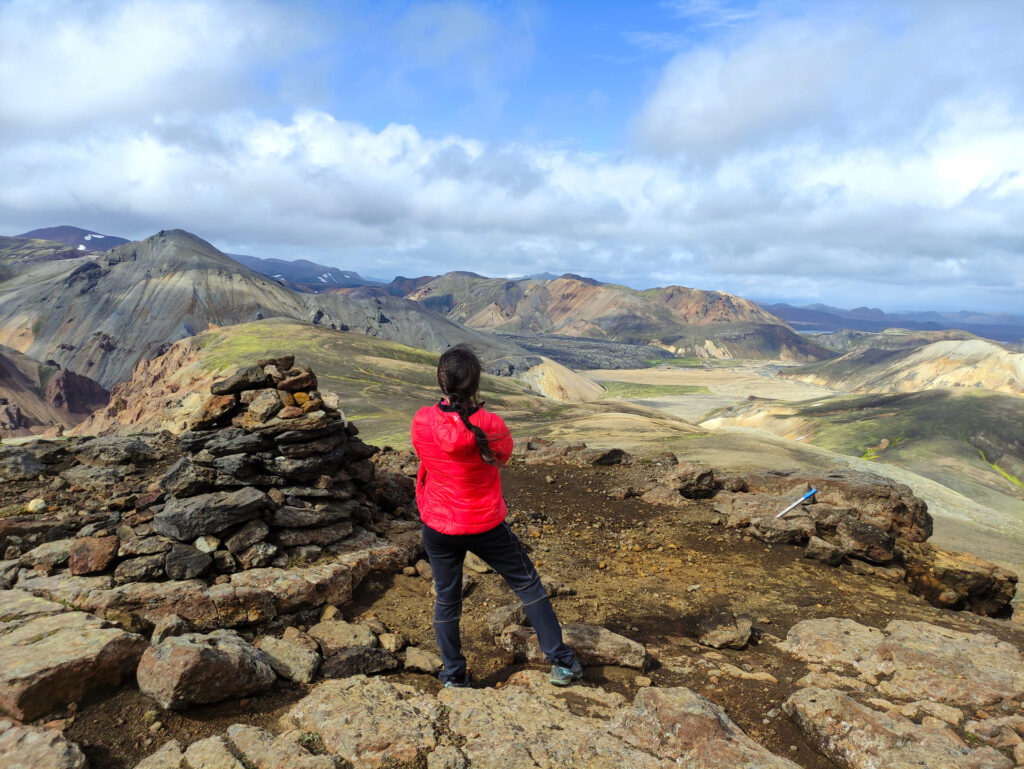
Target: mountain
{"type": "Point", "coordinates": [685, 321]}
{"type": "Point", "coordinates": [302, 274]}
{"type": "Point", "coordinates": [76, 238]}
{"type": "Point", "coordinates": [99, 314]}
{"type": "Point", "coordinates": [19, 254]}
{"type": "Point", "coordinates": [35, 397]}
{"type": "Point", "coordinates": [951, 363]}
{"type": "Point", "coordinates": [846, 340]}
{"type": "Point", "coordinates": [1002, 327]}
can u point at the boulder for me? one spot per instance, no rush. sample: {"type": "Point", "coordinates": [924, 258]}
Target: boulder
{"type": "Point", "coordinates": [298, 379]}
{"type": "Point", "coordinates": [62, 658]}
{"type": "Point", "coordinates": [186, 519]}
{"type": "Point", "coordinates": [422, 661]}
{"type": "Point", "coordinates": [248, 535]}
{"type": "Point", "coordinates": [291, 658]}
{"type": "Point", "coordinates": [30, 747]}
{"type": "Point", "coordinates": [258, 555]}
{"type": "Point", "coordinates": [265, 751]}
{"type": "Point", "coordinates": [856, 736]}
{"type": "Point", "coordinates": [358, 660]}
{"type": "Point", "coordinates": [48, 554]}
{"type": "Point", "coordinates": [594, 645]}
{"type": "Point", "coordinates": [186, 562]}
{"type": "Point", "coordinates": [913, 661]}
{"type": "Point", "coordinates": [169, 756]}
{"type": "Point", "coordinates": [186, 479]}
{"type": "Point", "coordinates": [691, 481]}
{"type": "Point", "coordinates": [892, 507]}
{"type": "Point", "coordinates": [232, 440]}
{"type": "Point", "coordinates": [503, 616]}
{"type": "Point", "coordinates": [17, 464]}
{"type": "Point", "coordinates": [110, 450]}
{"type": "Point", "coordinates": [368, 722]}
{"type": "Point", "coordinates": [265, 405]}
{"type": "Point", "coordinates": [146, 568]}
{"type": "Point", "coordinates": [865, 541]}
{"type": "Point", "coordinates": [211, 753]}
{"type": "Point", "coordinates": [140, 605]}
{"type": "Point", "coordinates": [757, 513]}
{"type": "Point", "coordinates": [144, 546]}
{"type": "Point", "coordinates": [819, 549]}
{"type": "Point", "coordinates": [237, 605]}
{"type": "Point", "coordinates": [170, 625]}
{"type": "Point", "coordinates": [721, 629]}
{"type": "Point", "coordinates": [288, 516]}
{"type": "Point", "coordinates": [194, 669]}
{"type": "Point", "coordinates": [336, 635]}
{"type": "Point", "coordinates": [315, 535]}
{"type": "Point", "coordinates": [92, 555]}
{"type": "Point", "coordinates": [679, 726]}
{"type": "Point", "coordinates": [960, 581]}
{"type": "Point", "coordinates": [603, 457]}
{"type": "Point", "coordinates": [301, 588]}
{"type": "Point", "coordinates": [473, 562]}
{"type": "Point", "coordinates": [249, 378]}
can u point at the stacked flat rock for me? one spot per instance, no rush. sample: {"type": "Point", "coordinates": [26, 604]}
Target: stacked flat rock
{"type": "Point", "coordinates": [272, 474]}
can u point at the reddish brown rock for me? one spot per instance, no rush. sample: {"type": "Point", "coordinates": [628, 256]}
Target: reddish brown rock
{"type": "Point", "coordinates": [298, 379]}
{"type": "Point", "coordinates": [193, 669]}
{"type": "Point", "coordinates": [29, 747]}
{"type": "Point", "coordinates": [62, 658]}
{"type": "Point", "coordinates": [958, 580]}
{"type": "Point", "coordinates": [856, 736]}
{"type": "Point", "coordinates": [92, 555]}
{"type": "Point", "coordinates": [216, 408]}
{"type": "Point", "coordinates": [685, 728]}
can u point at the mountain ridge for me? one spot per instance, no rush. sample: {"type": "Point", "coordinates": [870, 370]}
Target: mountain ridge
{"type": "Point", "coordinates": [76, 237]}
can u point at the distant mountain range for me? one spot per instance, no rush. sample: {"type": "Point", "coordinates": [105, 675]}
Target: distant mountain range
{"type": "Point", "coordinates": [76, 238]}
{"type": "Point", "coordinates": [1003, 327]}
{"type": "Point", "coordinates": [101, 313]}
{"type": "Point", "coordinates": [304, 275]}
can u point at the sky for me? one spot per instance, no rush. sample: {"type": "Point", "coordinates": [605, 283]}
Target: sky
{"type": "Point", "coordinates": [845, 153]}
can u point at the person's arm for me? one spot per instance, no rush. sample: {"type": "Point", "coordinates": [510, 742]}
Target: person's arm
{"type": "Point", "coordinates": [500, 440]}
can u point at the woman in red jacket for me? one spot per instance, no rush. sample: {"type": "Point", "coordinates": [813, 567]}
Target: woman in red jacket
{"type": "Point", "coordinates": [458, 492]}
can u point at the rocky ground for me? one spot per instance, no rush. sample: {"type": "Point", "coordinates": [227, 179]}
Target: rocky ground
{"type": "Point", "coordinates": [714, 636]}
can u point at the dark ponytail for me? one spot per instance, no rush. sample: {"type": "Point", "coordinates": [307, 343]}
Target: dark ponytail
{"type": "Point", "coordinates": [458, 376]}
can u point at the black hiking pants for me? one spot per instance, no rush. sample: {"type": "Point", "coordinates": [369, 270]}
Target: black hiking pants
{"type": "Point", "coordinates": [500, 549]}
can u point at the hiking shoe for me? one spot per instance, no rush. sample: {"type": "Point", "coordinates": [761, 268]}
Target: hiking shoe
{"type": "Point", "coordinates": [563, 676]}
{"type": "Point", "coordinates": [455, 683]}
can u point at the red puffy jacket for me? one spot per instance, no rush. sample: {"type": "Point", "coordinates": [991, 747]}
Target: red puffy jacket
{"type": "Point", "coordinates": [456, 491]}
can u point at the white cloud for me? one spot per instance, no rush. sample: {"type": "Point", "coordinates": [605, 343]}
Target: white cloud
{"type": "Point", "coordinates": [782, 164]}
{"type": "Point", "coordinates": [68, 62]}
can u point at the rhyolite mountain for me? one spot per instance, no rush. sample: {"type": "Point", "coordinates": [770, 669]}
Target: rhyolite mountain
{"type": "Point", "coordinates": [685, 321]}
{"type": "Point", "coordinates": [302, 274]}
{"type": "Point", "coordinates": [100, 314]}
{"type": "Point", "coordinates": [76, 238]}
{"type": "Point", "coordinates": [36, 396]}
{"type": "Point", "coordinates": [975, 363]}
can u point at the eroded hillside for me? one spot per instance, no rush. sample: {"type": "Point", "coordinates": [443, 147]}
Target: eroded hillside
{"type": "Point", "coordinates": [949, 363]}
{"type": "Point", "coordinates": [684, 321]}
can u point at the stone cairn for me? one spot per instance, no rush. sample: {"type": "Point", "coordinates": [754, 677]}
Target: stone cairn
{"type": "Point", "coordinates": [272, 475]}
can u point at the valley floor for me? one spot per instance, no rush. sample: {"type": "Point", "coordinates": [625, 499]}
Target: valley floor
{"type": "Point", "coordinates": [992, 531]}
